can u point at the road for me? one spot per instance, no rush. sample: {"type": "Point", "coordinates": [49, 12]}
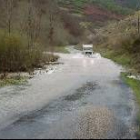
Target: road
{"type": "Point", "coordinates": [81, 98]}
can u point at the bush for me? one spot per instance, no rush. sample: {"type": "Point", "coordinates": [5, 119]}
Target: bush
{"type": "Point", "coordinates": [72, 24]}
{"type": "Point", "coordinates": [12, 53]}
{"type": "Point", "coordinates": [15, 56]}
{"type": "Point", "coordinates": [123, 40]}
{"type": "Point", "coordinates": [136, 46]}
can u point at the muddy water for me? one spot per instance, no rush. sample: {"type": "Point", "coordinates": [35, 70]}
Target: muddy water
{"type": "Point", "coordinates": [83, 98]}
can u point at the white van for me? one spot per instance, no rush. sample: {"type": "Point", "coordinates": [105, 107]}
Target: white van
{"type": "Point", "coordinates": [88, 49]}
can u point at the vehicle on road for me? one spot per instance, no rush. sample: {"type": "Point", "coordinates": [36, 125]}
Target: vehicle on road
{"type": "Point", "coordinates": [88, 49]}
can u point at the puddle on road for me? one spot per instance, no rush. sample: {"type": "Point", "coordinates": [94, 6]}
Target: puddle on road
{"type": "Point", "coordinates": [66, 103]}
{"type": "Point", "coordinates": [84, 90]}
{"type": "Point", "coordinates": [14, 91]}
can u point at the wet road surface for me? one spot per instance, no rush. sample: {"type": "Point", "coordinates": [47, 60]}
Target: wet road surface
{"type": "Point", "coordinates": [82, 98]}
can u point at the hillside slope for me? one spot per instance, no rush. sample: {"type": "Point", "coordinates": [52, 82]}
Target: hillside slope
{"type": "Point", "coordinates": [95, 13]}
{"type": "Point", "coordinates": [120, 41]}
{"type": "Point", "coordinates": [133, 4]}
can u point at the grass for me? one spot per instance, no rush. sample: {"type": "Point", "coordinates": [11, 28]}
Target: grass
{"type": "Point", "coordinates": [135, 85]}
{"type": "Point", "coordinates": [123, 58]}
{"type": "Point", "coordinates": [78, 47]}
{"type": "Point", "coordinates": [12, 81]}
{"type": "Point", "coordinates": [59, 49]}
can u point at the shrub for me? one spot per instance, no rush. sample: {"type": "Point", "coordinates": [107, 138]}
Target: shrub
{"type": "Point", "coordinates": [136, 46]}
{"type": "Point", "coordinates": [123, 40]}
{"type": "Point", "coordinates": [12, 53]}
{"type": "Point", "coordinates": [15, 56]}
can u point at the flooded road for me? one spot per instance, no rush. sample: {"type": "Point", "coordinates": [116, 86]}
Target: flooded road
{"type": "Point", "coordinates": [81, 98]}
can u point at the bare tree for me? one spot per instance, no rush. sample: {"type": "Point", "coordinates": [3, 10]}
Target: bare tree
{"type": "Point", "coordinates": [51, 32]}
{"type": "Point", "coordinates": [29, 26]}
{"type": "Point", "coordinates": [52, 20]}
{"type": "Point", "coordinates": [10, 4]}
{"type": "Point", "coordinates": [138, 7]}
{"type": "Point", "coordinates": [40, 10]}
{"type": "Point", "coordinates": [34, 21]}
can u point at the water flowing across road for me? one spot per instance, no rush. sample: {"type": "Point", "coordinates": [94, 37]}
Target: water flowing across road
{"type": "Point", "coordinates": [81, 98]}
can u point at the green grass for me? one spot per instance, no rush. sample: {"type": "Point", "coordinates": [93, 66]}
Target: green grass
{"type": "Point", "coordinates": [113, 6]}
{"type": "Point", "coordinates": [123, 58]}
{"type": "Point", "coordinates": [12, 81]}
{"type": "Point", "coordinates": [110, 5]}
{"type": "Point", "coordinates": [135, 85]}
{"type": "Point", "coordinates": [61, 49]}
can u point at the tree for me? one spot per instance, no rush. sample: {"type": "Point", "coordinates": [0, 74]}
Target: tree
{"type": "Point", "coordinates": [29, 24]}
{"type": "Point", "coordinates": [10, 5]}
{"type": "Point", "coordinates": [51, 24]}
{"type": "Point", "coordinates": [138, 18]}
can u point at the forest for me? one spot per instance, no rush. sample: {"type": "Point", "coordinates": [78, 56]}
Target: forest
{"type": "Point", "coordinates": [30, 27]}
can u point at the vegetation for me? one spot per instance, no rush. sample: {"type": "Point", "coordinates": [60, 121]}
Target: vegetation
{"type": "Point", "coordinates": [12, 81]}
{"type": "Point", "coordinates": [93, 14]}
{"type": "Point", "coordinates": [14, 55]}
{"type": "Point", "coordinates": [27, 29]}
{"type": "Point", "coordinates": [135, 85]}
{"type": "Point", "coordinates": [120, 41]}
{"type": "Point", "coordinates": [129, 3]}
{"type": "Point", "coordinates": [61, 49]}
{"type": "Point", "coordinates": [30, 27]}
{"type": "Point", "coordinates": [110, 5]}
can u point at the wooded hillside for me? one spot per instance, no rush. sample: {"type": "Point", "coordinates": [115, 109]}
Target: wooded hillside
{"type": "Point", "coordinates": [29, 27]}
